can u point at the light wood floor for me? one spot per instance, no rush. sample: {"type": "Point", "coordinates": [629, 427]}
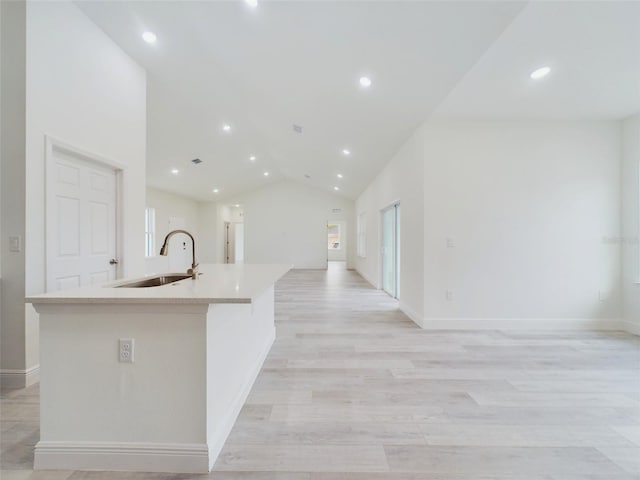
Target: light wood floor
{"type": "Point", "coordinates": [354, 390]}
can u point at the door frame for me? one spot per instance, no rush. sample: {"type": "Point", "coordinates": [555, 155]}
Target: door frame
{"type": "Point", "coordinates": [52, 145]}
{"type": "Point", "coordinates": [395, 204]}
{"type": "Point", "coordinates": [343, 225]}
{"type": "Point", "coordinates": [227, 225]}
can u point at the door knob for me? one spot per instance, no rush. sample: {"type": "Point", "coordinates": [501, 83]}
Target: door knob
{"type": "Point", "coordinates": [113, 261]}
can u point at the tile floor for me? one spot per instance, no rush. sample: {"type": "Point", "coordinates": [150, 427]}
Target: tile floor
{"type": "Point", "coordinates": [353, 390]}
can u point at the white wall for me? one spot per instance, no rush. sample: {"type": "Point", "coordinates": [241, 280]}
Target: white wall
{"type": "Point", "coordinates": [518, 220]}
{"type": "Point", "coordinates": [207, 232]}
{"type": "Point", "coordinates": [401, 180]}
{"type": "Point", "coordinates": [169, 206]}
{"type": "Point", "coordinates": [82, 89]}
{"type": "Point", "coordinates": [286, 222]}
{"type": "Point", "coordinates": [13, 348]}
{"type": "Point", "coordinates": [200, 220]}
{"type": "Point", "coordinates": [630, 220]}
{"type": "Point", "coordinates": [532, 208]}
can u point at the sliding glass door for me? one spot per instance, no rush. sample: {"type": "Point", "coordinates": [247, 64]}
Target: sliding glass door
{"type": "Point", "coordinates": [391, 250]}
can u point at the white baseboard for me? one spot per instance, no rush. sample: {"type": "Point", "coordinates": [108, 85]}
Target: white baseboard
{"type": "Point", "coordinates": [517, 323]}
{"type": "Point", "coordinates": [372, 283]}
{"type": "Point", "coordinates": [521, 324]}
{"type": "Point", "coordinates": [137, 457]}
{"type": "Point", "coordinates": [631, 327]}
{"type": "Point", "coordinates": [19, 378]}
{"type": "Point", "coordinates": [217, 439]}
{"type": "Point", "coordinates": [412, 314]}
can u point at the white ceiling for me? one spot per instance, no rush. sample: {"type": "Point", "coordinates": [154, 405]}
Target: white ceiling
{"type": "Point", "coordinates": [593, 49]}
{"type": "Point", "coordinates": [263, 70]}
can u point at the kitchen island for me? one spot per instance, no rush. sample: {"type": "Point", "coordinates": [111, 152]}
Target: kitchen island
{"type": "Point", "coordinates": [151, 379]}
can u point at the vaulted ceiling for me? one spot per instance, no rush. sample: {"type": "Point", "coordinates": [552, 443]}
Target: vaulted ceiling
{"type": "Point", "coordinates": [263, 70]}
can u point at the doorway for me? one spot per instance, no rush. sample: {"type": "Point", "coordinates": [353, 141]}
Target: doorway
{"type": "Point", "coordinates": [81, 218]}
{"type": "Point", "coordinates": [336, 244]}
{"type": "Point", "coordinates": [391, 250]}
{"type": "Point", "coordinates": [229, 242]}
{"type": "Point", "coordinates": [233, 242]}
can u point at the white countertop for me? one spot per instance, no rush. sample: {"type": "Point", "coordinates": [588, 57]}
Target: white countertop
{"type": "Point", "coordinates": [219, 283]}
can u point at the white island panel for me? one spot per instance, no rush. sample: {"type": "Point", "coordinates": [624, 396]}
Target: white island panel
{"type": "Point", "coordinates": [237, 345]}
{"type": "Point", "coordinates": [88, 395]}
{"type": "Point", "coordinates": [170, 410]}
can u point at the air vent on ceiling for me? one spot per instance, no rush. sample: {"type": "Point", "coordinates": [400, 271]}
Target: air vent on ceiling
{"type": "Point", "coordinates": [196, 161]}
{"type": "Point", "coordinates": [336, 210]}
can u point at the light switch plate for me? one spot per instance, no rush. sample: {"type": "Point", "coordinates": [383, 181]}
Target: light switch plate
{"type": "Point", "coordinates": [15, 243]}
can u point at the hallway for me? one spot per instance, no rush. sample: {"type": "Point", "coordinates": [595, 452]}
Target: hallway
{"type": "Point", "coordinates": [353, 390]}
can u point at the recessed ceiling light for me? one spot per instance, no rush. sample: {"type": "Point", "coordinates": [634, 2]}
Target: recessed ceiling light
{"type": "Point", "coordinates": [252, 158]}
{"type": "Point", "coordinates": [540, 73]}
{"type": "Point", "coordinates": [226, 127]}
{"type": "Point", "coordinates": [365, 82]}
{"type": "Point", "coordinates": [266, 174]}
{"type": "Point", "coordinates": [215, 190]}
{"type": "Point", "coordinates": [252, 3]}
{"type": "Point", "coordinates": [175, 171]}
{"type": "Point", "coordinates": [346, 152]}
{"type": "Point", "coordinates": [339, 175]}
{"type": "Point", "coordinates": [149, 37]}
{"type": "Point", "coordinates": [336, 188]}
{"type": "Point", "coordinates": [237, 205]}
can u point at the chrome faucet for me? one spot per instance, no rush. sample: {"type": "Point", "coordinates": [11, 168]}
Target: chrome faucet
{"type": "Point", "coordinates": [164, 251]}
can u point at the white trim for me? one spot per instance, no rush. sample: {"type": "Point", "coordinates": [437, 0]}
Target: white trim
{"type": "Point", "coordinates": [312, 268]}
{"type": "Point", "coordinates": [377, 287]}
{"type": "Point", "coordinates": [137, 457]}
{"type": "Point", "coordinates": [412, 314]}
{"type": "Point", "coordinates": [513, 323]}
{"type": "Point", "coordinates": [521, 324]}
{"type": "Point", "coordinates": [631, 327]}
{"type": "Point", "coordinates": [217, 439]}
{"type": "Point", "coordinates": [53, 143]}
{"type": "Point", "coordinates": [20, 378]}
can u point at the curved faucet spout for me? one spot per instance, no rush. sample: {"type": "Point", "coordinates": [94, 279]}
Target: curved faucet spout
{"type": "Point", "coordinates": [164, 251]}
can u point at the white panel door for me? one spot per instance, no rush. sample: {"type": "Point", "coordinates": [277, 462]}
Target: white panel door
{"type": "Point", "coordinates": [229, 242]}
{"type": "Point", "coordinates": [81, 222]}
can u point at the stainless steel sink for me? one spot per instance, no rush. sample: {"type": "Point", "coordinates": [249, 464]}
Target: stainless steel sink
{"type": "Point", "coordinates": [156, 281]}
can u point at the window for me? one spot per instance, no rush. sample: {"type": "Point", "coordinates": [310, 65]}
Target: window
{"type": "Point", "coordinates": [333, 236]}
{"type": "Point", "coordinates": [362, 238]}
{"type": "Point", "coordinates": [150, 232]}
